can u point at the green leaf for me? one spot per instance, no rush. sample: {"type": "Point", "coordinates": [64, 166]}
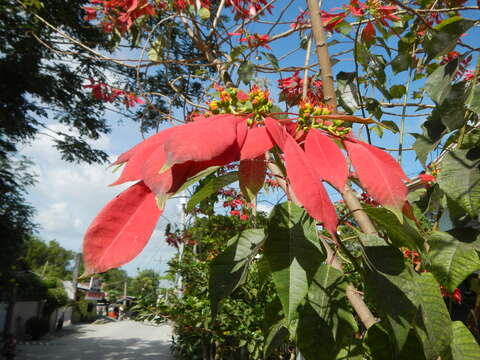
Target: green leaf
{"type": "Point", "coordinates": [347, 91]}
{"type": "Point", "coordinates": [397, 91]}
{"type": "Point", "coordinates": [276, 335]}
{"type": "Point", "coordinates": [210, 187]}
{"type": "Point", "coordinates": [237, 51]}
{"type": "Point", "coordinates": [391, 286]}
{"type": "Point", "coordinates": [435, 318]}
{"type": "Point", "coordinates": [204, 13]}
{"type": "Point", "coordinates": [400, 234]}
{"type": "Point", "coordinates": [401, 62]}
{"type": "Point", "coordinates": [471, 140]}
{"type": "Point", "coordinates": [327, 296]}
{"type": "Point", "coordinates": [314, 337]}
{"type": "Point", "coordinates": [293, 254]}
{"type": "Point", "coordinates": [273, 60]}
{"type": "Point", "coordinates": [391, 126]}
{"type": "Point", "coordinates": [463, 346]}
{"type": "Point", "coordinates": [439, 83]}
{"type": "Point", "coordinates": [378, 343]}
{"type": "Point", "coordinates": [473, 100]}
{"type": "Point", "coordinates": [451, 260]}
{"type": "Point", "coordinates": [197, 177]}
{"type": "Point", "coordinates": [443, 37]}
{"type": "Point", "coordinates": [423, 146]}
{"type": "Point", "coordinates": [246, 71]}
{"type": "Point", "coordinates": [227, 270]}
{"type": "Point", "coordinates": [459, 178]}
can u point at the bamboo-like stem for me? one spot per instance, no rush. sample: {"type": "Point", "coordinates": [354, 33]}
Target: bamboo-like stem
{"type": "Point", "coordinates": [349, 197]}
{"type": "Point", "coordinates": [322, 54]}
{"type": "Point", "coordinates": [305, 74]}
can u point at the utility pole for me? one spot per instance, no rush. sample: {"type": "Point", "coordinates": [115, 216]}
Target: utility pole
{"type": "Point", "coordinates": [125, 294]}
{"type": "Point", "coordinates": [76, 271]}
{"type": "Point", "coordinates": [181, 209]}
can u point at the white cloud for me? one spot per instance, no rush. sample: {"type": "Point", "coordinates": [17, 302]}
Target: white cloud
{"type": "Point", "coordinates": [68, 196]}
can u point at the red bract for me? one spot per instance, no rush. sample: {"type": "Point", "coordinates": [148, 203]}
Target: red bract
{"type": "Point", "coordinates": [257, 143]}
{"type": "Point", "coordinates": [276, 132]}
{"type": "Point", "coordinates": [308, 187]}
{"type": "Point", "coordinates": [90, 13]}
{"type": "Point", "coordinates": [379, 174]}
{"type": "Point", "coordinates": [252, 176]}
{"type": "Point", "coordinates": [248, 8]}
{"type": "Point", "coordinates": [121, 14]}
{"type": "Point", "coordinates": [121, 230]}
{"type": "Point", "coordinates": [368, 33]}
{"type": "Point", "coordinates": [292, 89]}
{"type": "Point", "coordinates": [257, 40]}
{"type": "Point", "coordinates": [105, 92]}
{"type": "Point", "coordinates": [329, 20]}
{"type": "Point", "coordinates": [201, 140]}
{"type": "Point", "coordinates": [164, 162]}
{"type": "Point", "coordinates": [326, 159]}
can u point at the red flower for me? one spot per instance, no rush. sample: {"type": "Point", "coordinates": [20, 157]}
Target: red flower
{"type": "Point", "coordinates": [164, 162]}
{"type": "Point", "coordinates": [456, 296]}
{"type": "Point", "coordinates": [292, 89]}
{"type": "Point", "coordinates": [257, 40]}
{"type": "Point", "coordinates": [427, 178]}
{"type": "Point", "coordinates": [330, 21]}
{"type": "Point", "coordinates": [248, 8]}
{"type": "Point", "coordinates": [90, 13]}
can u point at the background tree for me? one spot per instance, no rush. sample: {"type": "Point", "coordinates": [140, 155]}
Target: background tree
{"type": "Point", "coordinates": [48, 259]}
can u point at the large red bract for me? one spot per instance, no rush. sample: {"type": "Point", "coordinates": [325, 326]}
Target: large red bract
{"type": "Point", "coordinates": [166, 161]}
{"type": "Point", "coordinates": [121, 230]}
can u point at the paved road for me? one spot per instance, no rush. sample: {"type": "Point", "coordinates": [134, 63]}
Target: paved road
{"type": "Point", "coordinates": [123, 340]}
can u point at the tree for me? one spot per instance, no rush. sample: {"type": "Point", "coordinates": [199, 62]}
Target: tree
{"type": "Point", "coordinates": [48, 259]}
{"type": "Point", "coordinates": [415, 241]}
{"type": "Point", "coordinates": [145, 279]}
{"type": "Point", "coordinates": [55, 83]}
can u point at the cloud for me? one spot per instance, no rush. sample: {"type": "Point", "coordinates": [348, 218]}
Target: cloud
{"type": "Point", "coordinates": [68, 196]}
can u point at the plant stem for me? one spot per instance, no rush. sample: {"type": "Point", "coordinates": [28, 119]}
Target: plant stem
{"type": "Point", "coordinates": [404, 111]}
{"type": "Point", "coordinates": [322, 54]}
{"type": "Point", "coordinates": [360, 98]}
{"type": "Point", "coordinates": [349, 197]}
{"type": "Point", "coordinates": [305, 74]}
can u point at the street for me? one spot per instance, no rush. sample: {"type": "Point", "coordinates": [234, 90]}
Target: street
{"type": "Point", "coordinates": [123, 340]}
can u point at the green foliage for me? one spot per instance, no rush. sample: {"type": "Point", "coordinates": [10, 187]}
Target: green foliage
{"type": "Point", "coordinates": [229, 269]}
{"type": "Point", "coordinates": [460, 179]}
{"type": "Point", "coordinates": [48, 259]}
{"type": "Point", "coordinates": [452, 260]}
{"type": "Point", "coordinates": [293, 255]}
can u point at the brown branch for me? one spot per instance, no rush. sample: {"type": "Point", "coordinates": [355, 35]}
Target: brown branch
{"type": "Point", "coordinates": [322, 54]}
{"type": "Point", "coordinates": [349, 197]}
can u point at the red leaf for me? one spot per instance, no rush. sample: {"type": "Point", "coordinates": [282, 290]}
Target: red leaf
{"type": "Point", "coordinates": [380, 175]}
{"type": "Point", "coordinates": [276, 131]}
{"type": "Point", "coordinates": [257, 143]}
{"type": "Point", "coordinates": [307, 187]}
{"type": "Point", "coordinates": [169, 181]}
{"type": "Point", "coordinates": [137, 156]}
{"type": "Point", "coordinates": [368, 34]}
{"type": "Point", "coordinates": [326, 158]}
{"type": "Point", "coordinates": [121, 230]}
{"type": "Point", "coordinates": [201, 140]}
{"type": "Point", "coordinates": [242, 131]}
{"type": "Point", "coordinates": [252, 176]}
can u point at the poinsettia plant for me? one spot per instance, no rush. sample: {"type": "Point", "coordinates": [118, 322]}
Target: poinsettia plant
{"type": "Point", "coordinates": [416, 240]}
